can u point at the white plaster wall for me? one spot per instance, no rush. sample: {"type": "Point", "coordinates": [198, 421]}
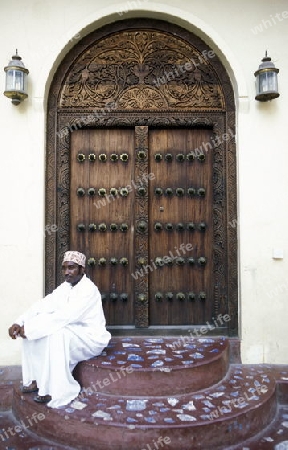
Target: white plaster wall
{"type": "Point", "coordinates": [43, 31]}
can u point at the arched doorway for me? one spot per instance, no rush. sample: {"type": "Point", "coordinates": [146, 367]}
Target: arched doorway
{"type": "Point", "coordinates": [141, 176]}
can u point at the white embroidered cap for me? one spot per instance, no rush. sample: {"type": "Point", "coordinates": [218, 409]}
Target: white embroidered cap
{"type": "Point", "coordinates": [76, 257]}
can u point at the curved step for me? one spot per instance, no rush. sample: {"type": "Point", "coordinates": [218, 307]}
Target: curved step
{"type": "Point", "coordinates": [179, 365]}
{"type": "Point", "coordinates": [16, 435]}
{"type": "Point", "coordinates": [225, 414]}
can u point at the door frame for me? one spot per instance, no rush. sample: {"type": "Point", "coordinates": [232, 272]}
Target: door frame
{"type": "Point", "coordinates": [62, 121]}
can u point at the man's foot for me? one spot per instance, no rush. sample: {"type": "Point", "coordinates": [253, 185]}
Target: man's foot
{"type": "Point", "coordinates": [42, 398]}
{"type": "Point", "coordinates": [31, 388]}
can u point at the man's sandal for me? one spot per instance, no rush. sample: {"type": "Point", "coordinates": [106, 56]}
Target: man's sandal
{"type": "Point", "coordinates": [42, 398]}
{"type": "Point", "coordinates": [28, 389]}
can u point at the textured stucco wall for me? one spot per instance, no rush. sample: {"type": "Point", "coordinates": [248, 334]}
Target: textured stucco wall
{"type": "Point", "coordinates": [239, 32]}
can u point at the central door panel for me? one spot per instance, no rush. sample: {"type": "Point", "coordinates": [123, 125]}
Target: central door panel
{"type": "Point", "coordinates": [141, 210]}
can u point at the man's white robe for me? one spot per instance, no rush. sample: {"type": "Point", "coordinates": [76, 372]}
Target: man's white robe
{"type": "Point", "coordinates": [65, 327]}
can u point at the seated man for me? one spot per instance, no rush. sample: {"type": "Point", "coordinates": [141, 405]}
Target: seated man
{"type": "Point", "coordinates": [65, 327]}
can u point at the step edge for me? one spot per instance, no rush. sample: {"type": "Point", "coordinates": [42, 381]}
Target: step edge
{"type": "Point", "coordinates": [185, 397]}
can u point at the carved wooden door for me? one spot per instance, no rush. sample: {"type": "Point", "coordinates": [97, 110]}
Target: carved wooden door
{"type": "Point", "coordinates": [141, 202]}
{"type": "Point", "coordinates": [132, 100]}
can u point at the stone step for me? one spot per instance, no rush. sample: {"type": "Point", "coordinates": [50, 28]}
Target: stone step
{"type": "Point", "coordinates": [274, 437]}
{"type": "Point", "coordinates": [160, 365]}
{"type": "Point", "coordinates": [235, 409]}
{"type": "Point", "coordinates": [18, 435]}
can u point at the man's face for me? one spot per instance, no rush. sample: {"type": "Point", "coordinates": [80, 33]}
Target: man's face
{"type": "Point", "coordinates": [72, 272]}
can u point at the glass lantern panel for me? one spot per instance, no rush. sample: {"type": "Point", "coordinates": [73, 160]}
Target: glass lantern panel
{"type": "Point", "coordinates": [15, 80]}
{"type": "Point", "coordinates": [25, 82]}
{"type": "Point", "coordinates": [267, 82]}
{"type": "Point", "coordinates": [257, 85]}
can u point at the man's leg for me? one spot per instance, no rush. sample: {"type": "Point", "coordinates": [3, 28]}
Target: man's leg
{"type": "Point", "coordinates": [46, 360]}
{"type": "Point", "coordinates": [56, 378]}
{"type": "Point", "coordinates": [31, 366]}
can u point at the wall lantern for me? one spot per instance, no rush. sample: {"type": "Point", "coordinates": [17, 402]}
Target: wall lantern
{"type": "Point", "coordinates": [266, 80]}
{"type": "Point", "coordinates": [16, 80]}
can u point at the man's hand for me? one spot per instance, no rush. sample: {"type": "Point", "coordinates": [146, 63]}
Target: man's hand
{"type": "Point", "coordinates": [22, 332]}
{"type": "Point", "coordinates": [16, 330]}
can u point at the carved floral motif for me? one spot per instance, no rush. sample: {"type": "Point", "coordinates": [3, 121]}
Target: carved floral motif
{"type": "Point", "coordinates": [143, 69]}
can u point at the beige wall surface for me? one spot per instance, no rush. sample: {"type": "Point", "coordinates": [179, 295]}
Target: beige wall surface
{"type": "Point", "coordinates": [239, 32]}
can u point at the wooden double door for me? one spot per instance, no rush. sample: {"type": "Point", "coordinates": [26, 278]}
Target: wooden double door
{"type": "Point", "coordinates": [141, 210]}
